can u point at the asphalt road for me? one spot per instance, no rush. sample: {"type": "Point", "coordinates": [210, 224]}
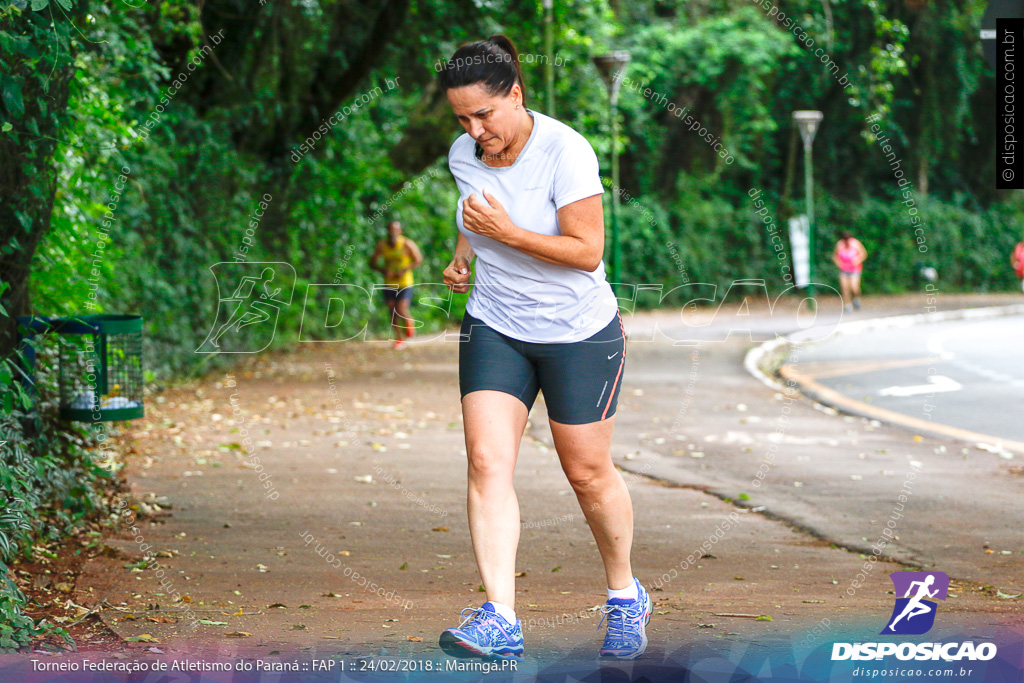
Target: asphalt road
{"type": "Point", "coordinates": [967, 374]}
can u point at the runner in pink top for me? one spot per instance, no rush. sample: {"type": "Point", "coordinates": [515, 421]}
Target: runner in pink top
{"type": "Point", "coordinates": [849, 257]}
{"type": "Point", "coordinates": [1017, 261]}
{"type": "Point", "coordinates": [846, 255]}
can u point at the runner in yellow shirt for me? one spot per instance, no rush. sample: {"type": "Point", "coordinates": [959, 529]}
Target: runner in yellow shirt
{"type": "Point", "coordinates": [400, 257]}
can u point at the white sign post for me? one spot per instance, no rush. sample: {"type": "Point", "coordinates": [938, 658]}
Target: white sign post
{"type": "Point", "coordinates": [799, 242]}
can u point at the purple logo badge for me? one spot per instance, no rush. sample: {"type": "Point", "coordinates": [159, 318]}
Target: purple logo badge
{"type": "Point", "coordinates": [914, 612]}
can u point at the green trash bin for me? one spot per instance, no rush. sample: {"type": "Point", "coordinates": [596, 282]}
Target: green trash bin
{"type": "Point", "coordinates": [100, 359]}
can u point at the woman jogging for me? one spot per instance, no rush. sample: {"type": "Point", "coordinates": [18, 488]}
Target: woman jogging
{"type": "Point", "coordinates": [541, 317]}
{"type": "Point", "coordinates": [849, 257]}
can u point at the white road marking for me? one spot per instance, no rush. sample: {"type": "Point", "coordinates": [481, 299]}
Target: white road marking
{"type": "Point", "coordinates": [937, 384]}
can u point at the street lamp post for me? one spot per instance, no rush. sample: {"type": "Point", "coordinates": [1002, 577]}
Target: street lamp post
{"type": "Point", "coordinates": [610, 66]}
{"type": "Point", "coordinates": [808, 122]}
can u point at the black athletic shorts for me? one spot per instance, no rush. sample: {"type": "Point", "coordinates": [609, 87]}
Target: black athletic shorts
{"type": "Point", "coordinates": [580, 380]}
{"type": "Point", "coordinates": [393, 295]}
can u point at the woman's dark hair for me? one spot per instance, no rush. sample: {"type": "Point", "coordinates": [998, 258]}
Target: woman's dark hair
{"type": "Point", "coordinates": [493, 63]}
{"type": "Point", "coordinates": [844, 235]}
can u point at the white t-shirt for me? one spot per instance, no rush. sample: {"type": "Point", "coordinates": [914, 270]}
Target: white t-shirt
{"type": "Point", "coordinates": [517, 294]}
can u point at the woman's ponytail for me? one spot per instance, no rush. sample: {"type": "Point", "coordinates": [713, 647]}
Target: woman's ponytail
{"type": "Point", "coordinates": [505, 43]}
{"type": "Point", "coordinates": [494, 63]}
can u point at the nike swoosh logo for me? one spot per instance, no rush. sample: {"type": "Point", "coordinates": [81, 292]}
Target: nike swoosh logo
{"type": "Point", "coordinates": [613, 355]}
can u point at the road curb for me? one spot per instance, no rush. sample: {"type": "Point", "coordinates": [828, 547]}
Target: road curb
{"type": "Point", "coordinates": [755, 358]}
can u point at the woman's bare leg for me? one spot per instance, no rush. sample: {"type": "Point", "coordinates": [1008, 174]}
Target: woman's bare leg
{"type": "Point", "coordinates": [494, 423]}
{"type": "Point", "coordinates": [845, 288]}
{"type": "Point", "coordinates": [585, 454]}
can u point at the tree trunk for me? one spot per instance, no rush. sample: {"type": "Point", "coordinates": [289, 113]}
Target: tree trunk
{"type": "Point", "coordinates": [35, 99]}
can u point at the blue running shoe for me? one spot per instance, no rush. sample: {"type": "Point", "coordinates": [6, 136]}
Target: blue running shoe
{"type": "Point", "coordinates": [627, 625]}
{"type": "Point", "coordinates": [484, 633]}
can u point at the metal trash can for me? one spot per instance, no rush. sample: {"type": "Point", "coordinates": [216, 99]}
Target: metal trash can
{"type": "Point", "coordinates": [100, 361]}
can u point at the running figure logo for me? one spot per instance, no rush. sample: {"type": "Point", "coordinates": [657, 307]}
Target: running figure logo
{"type": "Point", "coordinates": [247, 318]}
{"type": "Point", "coordinates": [913, 614]}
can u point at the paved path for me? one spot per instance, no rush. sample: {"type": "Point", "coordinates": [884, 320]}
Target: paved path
{"type": "Point", "coordinates": [324, 418]}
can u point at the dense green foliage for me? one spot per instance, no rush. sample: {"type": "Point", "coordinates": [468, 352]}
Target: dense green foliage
{"type": "Point", "coordinates": [224, 136]}
{"type": "Point", "coordinates": [137, 140]}
{"type": "Point", "coordinates": [51, 479]}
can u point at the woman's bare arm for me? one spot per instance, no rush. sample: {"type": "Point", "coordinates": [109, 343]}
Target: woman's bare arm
{"type": "Point", "coordinates": [581, 244]}
{"type": "Point", "coordinates": [581, 223]}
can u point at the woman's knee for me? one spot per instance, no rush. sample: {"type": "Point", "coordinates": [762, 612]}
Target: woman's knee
{"type": "Point", "coordinates": [487, 463]}
{"type": "Point", "coordinates": [585, 479]}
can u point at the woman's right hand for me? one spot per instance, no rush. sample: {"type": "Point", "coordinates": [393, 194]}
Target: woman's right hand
{"type": "Point", "coordinates": [457, 275]}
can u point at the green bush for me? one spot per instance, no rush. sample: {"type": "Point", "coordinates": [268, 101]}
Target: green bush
{"type": "Point", "coordinates": [718, 242]}
{"type": "Point", "coordinates": [49, 483]}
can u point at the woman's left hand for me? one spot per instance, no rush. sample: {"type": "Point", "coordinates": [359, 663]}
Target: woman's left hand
{"type": "Point", "coordinates": [487, 217]}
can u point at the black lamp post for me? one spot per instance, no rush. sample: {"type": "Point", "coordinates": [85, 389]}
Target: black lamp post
{"type": "Point", "coordinates": [610, 66]}
{"type": "Point", "coordinates": [808, 122]}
